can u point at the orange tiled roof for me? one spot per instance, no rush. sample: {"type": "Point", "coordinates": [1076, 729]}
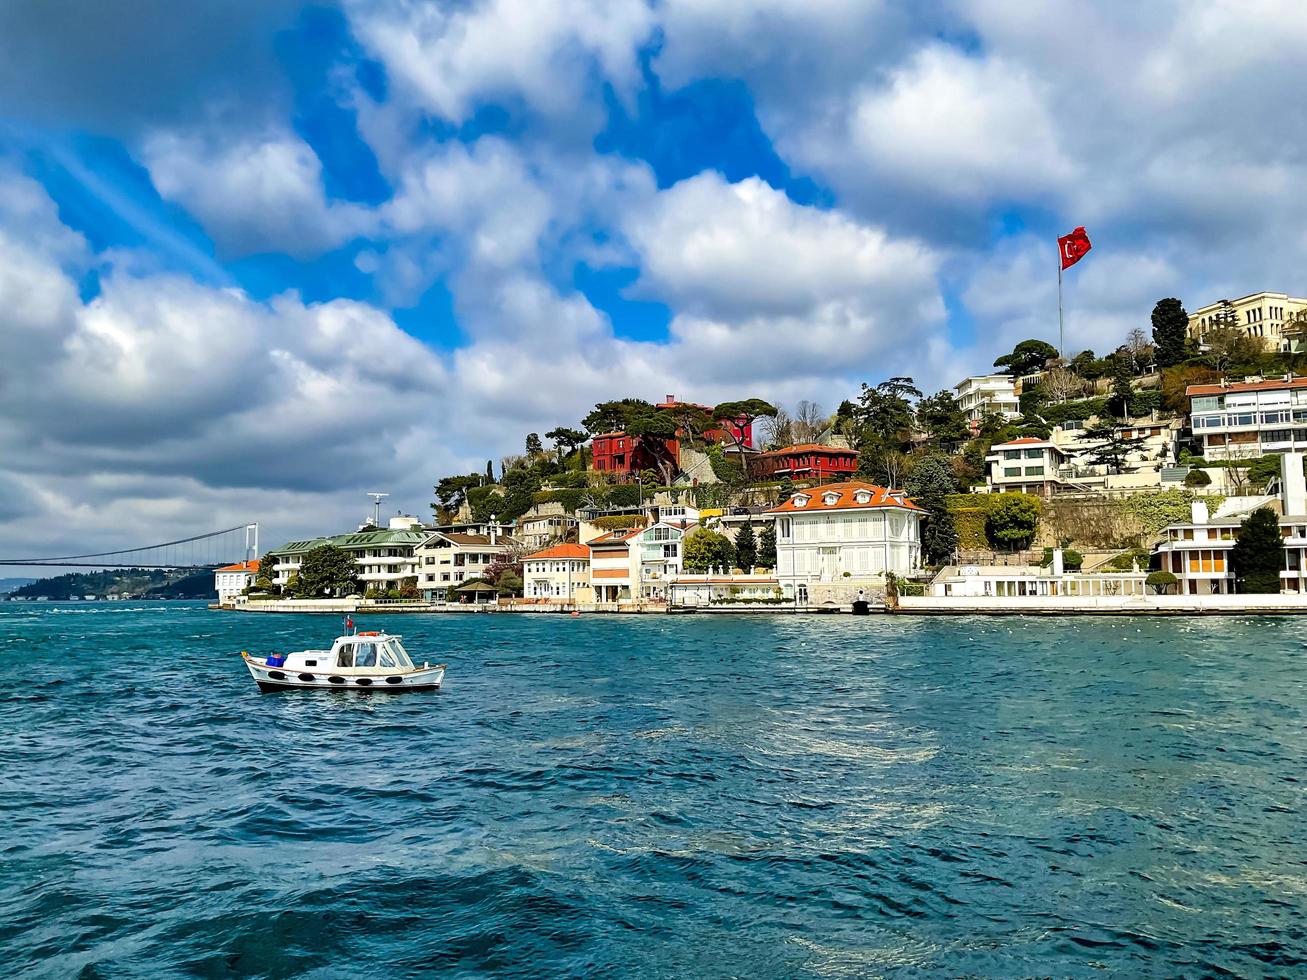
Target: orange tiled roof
{"type": "Point", "coordinates": [242, 566]}
{"type": "Point", "coordinates": [1269, 385]}
{"type": "Point", "coordinates": [880, 497]}
{"type": "Point", "coordinates": [561, 551]}
{"type": "Point", "coordinates": [810, 447]}
{"type": "Point", "coordinates": [610, 573]}
{"type": "Point", "coordinates": [1023, 441]}
{"type": "Point", "coordinates": [616, 537]}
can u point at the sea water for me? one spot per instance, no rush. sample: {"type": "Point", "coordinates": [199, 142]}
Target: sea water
{"type": "Point", "coordinates": [655, 796]}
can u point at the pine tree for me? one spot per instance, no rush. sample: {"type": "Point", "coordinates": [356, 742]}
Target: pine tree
{"type": "Point", "coordinates": [746, 548]}
{"type": "Point", "coordinates": [767, 547]}
{"type": "Point", "coordinates": [1258, 553]}
{"type": "Point", "coordinates": [490, 471]}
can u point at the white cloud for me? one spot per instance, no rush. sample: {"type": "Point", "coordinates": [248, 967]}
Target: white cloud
{"type": "Point", "coordinates": [451, 58]}
{"type": "Point", "coordinates": [253, 193]}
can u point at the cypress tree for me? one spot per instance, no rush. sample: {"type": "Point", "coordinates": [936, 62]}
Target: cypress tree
{"type": "Point", "coordinates": [1170, 329]}
{"type": "Point", "coordinates": [746, 549]}
{"type": "Point", "coordinates": [490, 471]}
{"type": "Point", "coordinates": [1258, 554]}
{"type": "Point", "coordinates": [767, 546]}
{"type": "Point", "coordinates": [1121, 378]}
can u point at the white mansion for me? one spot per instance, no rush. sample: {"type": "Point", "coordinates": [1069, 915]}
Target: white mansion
{"type": "Point", "coordinates": [835, 540]}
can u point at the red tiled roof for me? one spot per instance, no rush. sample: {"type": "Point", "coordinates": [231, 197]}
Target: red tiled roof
{"type": "Point", "coordinates": [243, 566]}
{"type": "Point", "coordinates": [1023, 441]}
{"type": "Point", "coordinates": [1270, 385]}
{"type": "Point", "coordinates": [561, 551]}
{"type": "Point", "coordinates": [880, 497]}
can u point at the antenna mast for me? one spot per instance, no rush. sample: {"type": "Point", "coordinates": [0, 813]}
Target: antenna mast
{"type": "Point", "coordinates": [377, 498]}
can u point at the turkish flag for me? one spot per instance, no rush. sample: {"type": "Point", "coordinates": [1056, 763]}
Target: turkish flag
{"type": "Point", "coordinates": [1073, 247]}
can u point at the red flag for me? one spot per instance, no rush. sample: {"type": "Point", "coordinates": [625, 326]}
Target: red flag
{"type": "Point", "coordinates": [1073, 247]}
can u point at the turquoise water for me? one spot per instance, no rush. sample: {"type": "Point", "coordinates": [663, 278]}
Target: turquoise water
{"type": "Point", "coordinates": [656, 796]}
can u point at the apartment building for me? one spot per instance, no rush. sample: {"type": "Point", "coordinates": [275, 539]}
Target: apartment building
{"type": "Point", "coordinates": [1026, 465]}
{"type": "Point", "coordinates": [658, 553]}
{"type": "Point", "coordinates": [1260, 315]}
{"type": "Point", "coordinates": [560, 572]}
{"type": "Point", "coordinates": [449, 558]}
{"type": "Point", "coordinates": [1197, 552]}
{"type": "Point", "coordinates": [835, 540]}
{"type": "Point", "coordinates": [1243, 420]}
{"type": "Point", "coordinates": [614, 573]}
{"type": "Point", "coordinates": [386, 559]}
{"type": "Point", "coordinates": [987, 394]}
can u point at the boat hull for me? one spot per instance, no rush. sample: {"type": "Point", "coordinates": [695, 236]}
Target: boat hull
{"type": "Point", "coordinates": [282, 679]}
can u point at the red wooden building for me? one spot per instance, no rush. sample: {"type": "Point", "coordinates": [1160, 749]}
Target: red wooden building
{"type": "Point", "coordinates": [625, 455]}
{"type": "Point", "coordinates": [809, 461]}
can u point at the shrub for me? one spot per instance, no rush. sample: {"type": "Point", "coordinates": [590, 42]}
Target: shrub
{"type": "Point", "coordinates": [1071, 559]}
{"type": "Point", "coordinates": [1197, 478]}
{"type": "Point", "coordinates": [1074, 411]}
{"type": "Point", "coordinates": [912, 588]}
{"type": "Point", "coordinates": [1125, 562]}
{"type": "Point", "coordinates": [620, 522]}
{"type": "Point", "coordinates": [1161, 582]}
{"type": "Point", "coordinates": [1145, 402]}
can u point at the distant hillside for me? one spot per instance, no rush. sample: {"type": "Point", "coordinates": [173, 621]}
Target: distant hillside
{"type": "Point", "coordinates": [133, 582]}
{"type": "Point", "coordinates": [9, 584]}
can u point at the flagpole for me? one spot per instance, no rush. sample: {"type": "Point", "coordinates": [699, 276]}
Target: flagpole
{"type": "Point", "coordinates": [1061, 341]}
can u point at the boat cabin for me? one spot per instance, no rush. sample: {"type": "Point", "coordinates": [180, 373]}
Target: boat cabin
{"type": "Point", "coordinates": [370, 650]}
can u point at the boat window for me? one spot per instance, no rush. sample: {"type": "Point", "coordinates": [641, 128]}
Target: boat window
{"type": "Point", "coordinates": [366, 655]}
{"type": "Point", "coordinates": [387, 657]}
{"type": "Point", "coordinates": [345, 656]}
{"type": "Point", "coordinates": [401, 655]}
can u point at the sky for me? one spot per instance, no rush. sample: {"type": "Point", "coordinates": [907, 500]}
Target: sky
{"type": "Point", "coordinates": [258, 257]}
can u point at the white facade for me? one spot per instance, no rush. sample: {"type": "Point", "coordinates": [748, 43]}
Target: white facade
{"type": "Point", "coordinates": [1246, 420]}
{"type": "Point", "coordinates": [614, 566]}
{"type": "Point", "coordinates": [559, 572]}
{"type": "Point", "coordinates": [987, 394]}
{"type": "Point", "coordinates": [231, 581]}
{"type": "Point", "coordinates": [659, 552]}
{"type": "Point", "coordinates": [845, 534]}
{"type": "Point", "coordinates": [385, 559]}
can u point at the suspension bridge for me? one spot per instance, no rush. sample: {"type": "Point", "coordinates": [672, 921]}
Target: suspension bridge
{"type": "Point", "coordinates": [212, 549]}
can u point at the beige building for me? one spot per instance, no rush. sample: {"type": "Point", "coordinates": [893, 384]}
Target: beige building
{"type": "Point", "coordinates": [1260, 315]}
{"type": "Point", "coordinates": [450, 558]}
{"type": "Point", "coordinates": [986, 394]}
{"type": "Point", "coordinates": [561, 572]}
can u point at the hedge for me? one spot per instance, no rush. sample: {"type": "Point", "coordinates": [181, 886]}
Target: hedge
{"type": "Point", "coordinates": [620, 522]}
{"type": "Point", "coordinates": [1077, 410]}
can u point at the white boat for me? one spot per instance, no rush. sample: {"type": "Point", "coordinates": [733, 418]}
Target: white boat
{"type": "Point", "coordinates": [369, 661]}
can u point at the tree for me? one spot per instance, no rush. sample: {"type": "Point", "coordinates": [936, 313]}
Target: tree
{"type": "Point", "coordinates": [451, 491]}
{"type": "Point", "coordinates": [744, 412]}
{"type": "Point", "coordinates": [1012, 520]}
{"type": "Point", "coordinates": [1258, 553]}
{"type": "Point", "coordinates": [767, 546]}
{"type": "Point", "coordinates": [1176, 381]}
{"type": "Point", "coordinates": [1139, 350]}
{"type": "Point", "coordinates": [941, 417]}
{"type": "Point", "coordinates": [1027, 357]}
{"type": "Point", "coordinates": [884, 414]}
{"type": "Point", "coordinates": [704, 549]}
{"type": "Point", "coordinates": [778, 431]}
{"type": "Point", "coordinates": [746, 548]}
{"type": "Point", "coordinates": [1122, 376]}
{"type": "Point", "coordinates": [327, 570]}
{"type": "Point", "coordinates": [490, 471]}
{"type": "Point", "coordinates": [1113, 447]}
{"type": "Point", "coordinates": [656, 431]}
{"type": "Point", "coordinates": [1228, 345]}
{"type": "Point", "coordinates": [567, 441]}
{"type": "Point", "coordinates": [1263, 469]}
{"type": "Point", "coordinates": [1161, 582]}
{"type": "Point", "coordinates": [929, 486]}
{"type": "Point", "coordinates": [534, 447]}
{"type": "Point", "coordinates": [1197, 478]}
{"type": "Point", "coordinates": [613, 416]}
{"type": "Point", "coordinates": [1060, 384]}
{"type": "Point", "coordinates": [1170, 330]}
{"type": "Point", "coordinates": [809, 421]}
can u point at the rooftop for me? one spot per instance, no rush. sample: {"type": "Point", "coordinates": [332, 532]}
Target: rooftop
{"type": "Point", "coordinates": [846, 498]}
{"type": "Point", "coordinates": [1273, 384]}
{"type": "Point", "coordinates": [560, 551]}
{"type": "Point", "coordinates": [811, 447]}
{"type": "Point", "coordinates": [241, 566]}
